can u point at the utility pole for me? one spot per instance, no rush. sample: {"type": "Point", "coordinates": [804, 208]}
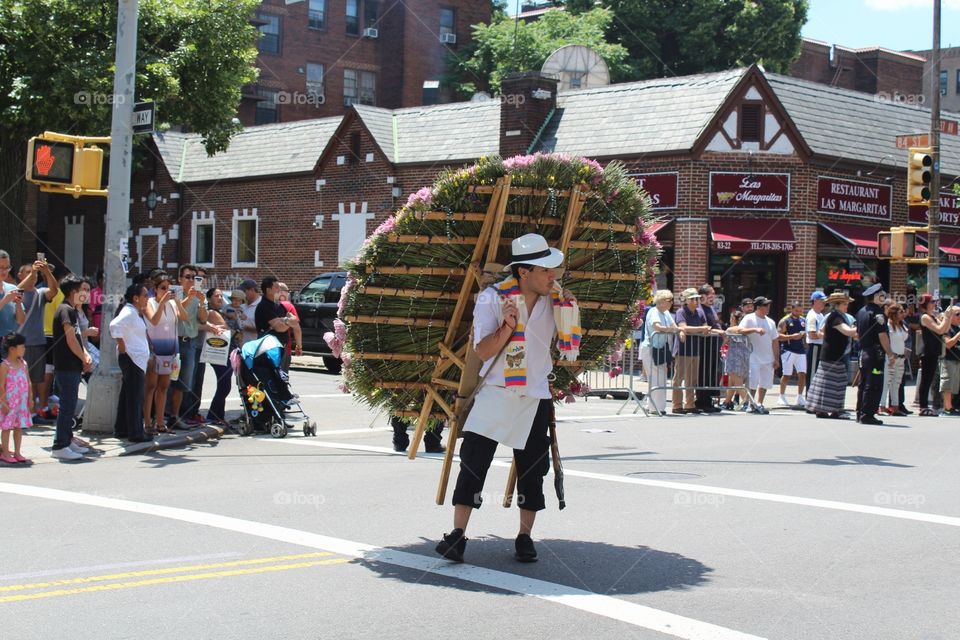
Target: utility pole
{"type": "Point", "coordinates": [933, 212]}
{"type": "Point", "coordinates": [103, 394]}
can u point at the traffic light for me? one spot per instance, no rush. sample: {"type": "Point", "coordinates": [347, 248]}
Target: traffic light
{"type": "Point", "coordinates": [66, 164]}
{"type": "Point", "coordinates": [919, 175]}
{"type": "Point", "coordinates": [897, 244]}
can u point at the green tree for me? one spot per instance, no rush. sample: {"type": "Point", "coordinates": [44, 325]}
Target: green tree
{"type": "Point", "coordinates": [506, 45]}
{"type": "Point", "coordinates": [683, 37]}
{"type": "Point", "coordinates": [57, 65]}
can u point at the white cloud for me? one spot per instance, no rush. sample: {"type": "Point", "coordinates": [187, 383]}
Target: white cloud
{"type": "Point", "coordinates": [898, 5]}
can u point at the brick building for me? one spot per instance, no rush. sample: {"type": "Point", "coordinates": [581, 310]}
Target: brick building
{"type": "Point", "coordinates": [875, 70]}
{"type": "Point", "coordinates": [764, 184]}
{"type": "Point", "coordinates": [317, 57]}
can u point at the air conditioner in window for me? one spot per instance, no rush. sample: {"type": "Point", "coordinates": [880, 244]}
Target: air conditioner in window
{"type": "Point", "coordinates": [448, 38]}
{"type": "Point", "coordinates": [370, 32]}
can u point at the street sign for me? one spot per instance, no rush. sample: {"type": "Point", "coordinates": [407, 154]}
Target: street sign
{"type": "Point", "coordinates": [913, 140]}
{"type": "Point", "coordinates": [950, 127]}
{"type": "Point", "coordinates": [143, 117]}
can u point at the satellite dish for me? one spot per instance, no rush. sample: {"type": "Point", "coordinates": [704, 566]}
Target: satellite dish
{"type": "Point", "coordinates": [578, 67]}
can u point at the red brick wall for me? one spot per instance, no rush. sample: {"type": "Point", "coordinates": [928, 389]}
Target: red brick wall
{"type": "Point", "coordinates": [406, 52]}
{"type": "Point", "coordinates": [690, 251]}
{"type": "Point", "coordinates": [872, 71]}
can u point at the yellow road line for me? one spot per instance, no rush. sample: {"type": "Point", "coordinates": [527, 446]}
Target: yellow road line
{"type": "Point", "coordinates": [113, 586]}
{"type": "Point", "coordinates": [159, 572]}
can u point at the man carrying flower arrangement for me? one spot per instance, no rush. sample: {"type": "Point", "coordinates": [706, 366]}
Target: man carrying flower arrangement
{"type": "Point", "coordinates": [514, 325]}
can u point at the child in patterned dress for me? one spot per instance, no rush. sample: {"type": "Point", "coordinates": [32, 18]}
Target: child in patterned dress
{"type": "Point", "coordinates": [16, 403]}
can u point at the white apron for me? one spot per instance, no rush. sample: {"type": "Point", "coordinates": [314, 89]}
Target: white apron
{"type": "Point", "coordinates": [502, 416]}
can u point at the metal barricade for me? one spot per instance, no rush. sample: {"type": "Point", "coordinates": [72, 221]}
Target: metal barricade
{"type": "Point", "coordinates": [620, 379]}
{"type": "Point", "coordinates": [698, 374]}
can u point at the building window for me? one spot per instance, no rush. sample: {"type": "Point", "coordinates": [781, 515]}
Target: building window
{"type": "Point", "coordinates": [751, 123]}
{"type": "Point", "coordinates": [353, 17]}
{"type": "Point", "coordinates": [245, 227]}
{"type": "Point", "coordinates": [371, 13]}
{"type": "Point", "coordinates": [202, 242]}
{"type": "Point", "coordinates": [315, 81]}
{"type": "Point", "coordinates": [266, 107]}
{"type": "Point", "coordinates": [368, 88]}
{"type": "Point", "coordinates": [448, 22]}
{"type": "Point", "coordinates": [269, 41]}
{"type": "Point", "coordinates": [359, 87]}
{"type": "Point", "coordinates": [943, 83]}
{"type": "Point", "coordinates": [316, 12]}
{"type": "Point", "coordinates": [958, 81]}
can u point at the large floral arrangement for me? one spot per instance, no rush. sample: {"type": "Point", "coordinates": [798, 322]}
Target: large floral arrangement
{"type": "Point", "coordinates": [614, 221]}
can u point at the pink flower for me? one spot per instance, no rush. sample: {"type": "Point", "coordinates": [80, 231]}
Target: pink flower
{"type": "Point", "coordinates": [343, 387]}
{"type": "Point", "coordinates": [613, 373]}
{"type": "Point", "coordinates": [570, 399]}
{"type": "Point", "coordinates": [340, 329]}
{"type": "Point", "coordinates": [424, 196]}
{"type": "Point", "coordinates": [336, 346]}
{"type": "Point", "coordinates": [345, 294]}
{"type": "Point", "coordinates": [616, 355]}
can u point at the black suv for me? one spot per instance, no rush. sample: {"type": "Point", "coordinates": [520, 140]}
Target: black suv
{"type": "Point", "coordinates": [317, 305]}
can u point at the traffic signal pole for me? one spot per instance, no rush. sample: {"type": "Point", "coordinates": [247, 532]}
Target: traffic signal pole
{"type": "Point", "coordinates": [103, 393]}
{"type": "Point", "coordinates": [933, 212]}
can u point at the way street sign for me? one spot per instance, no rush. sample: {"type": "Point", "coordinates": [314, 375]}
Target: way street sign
{"type": "Point", "coordinates": [143, 117]}
{"type": "Point", "coordinates": [915, 140]}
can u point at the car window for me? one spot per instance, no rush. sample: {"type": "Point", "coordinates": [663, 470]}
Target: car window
{"type": "Point", "coordinates": [314, 292]}
{"type": "Point", "coordinates": [333, 292]}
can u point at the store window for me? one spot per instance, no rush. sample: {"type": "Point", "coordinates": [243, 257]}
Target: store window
{"type": "Point", "coordinates": [749, 275]}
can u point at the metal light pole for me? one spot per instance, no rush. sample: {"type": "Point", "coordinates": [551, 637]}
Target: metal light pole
{"type": "Point", "coordinates": [933, 213]}
{"type": "Point", "coordinates": [103, 394]}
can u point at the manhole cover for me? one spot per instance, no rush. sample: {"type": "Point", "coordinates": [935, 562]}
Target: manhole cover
{"type": "Point", "coordinates": [665, 475]}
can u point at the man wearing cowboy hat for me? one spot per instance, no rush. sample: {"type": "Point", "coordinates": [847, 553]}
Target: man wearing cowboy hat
{"type": "Point", "coordinates": [512, 406]}
{"type": "Point", "coordinates": [874, 344]}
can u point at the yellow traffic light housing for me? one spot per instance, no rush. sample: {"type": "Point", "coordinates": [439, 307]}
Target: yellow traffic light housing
{"type": "Point", "coordinates": [919, 175]}
{"type": "Point", "coordinates": [65, 164]}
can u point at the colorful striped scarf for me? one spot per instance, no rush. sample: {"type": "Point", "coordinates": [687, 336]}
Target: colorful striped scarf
{"type": "Point", "coordinates": [566, 315]}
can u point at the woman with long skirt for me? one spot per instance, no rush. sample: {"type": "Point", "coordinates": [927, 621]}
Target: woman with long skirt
{"type": "Point", "coordinates": [828, 390]}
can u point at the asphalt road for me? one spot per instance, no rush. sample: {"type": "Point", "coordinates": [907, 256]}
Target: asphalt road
{"type": "Point", "coordinates": [735, 526]}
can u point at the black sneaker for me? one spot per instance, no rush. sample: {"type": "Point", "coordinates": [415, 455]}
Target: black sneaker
{"type": "Point", "coordinates": [452, 545]}
{"type": "Point", "coordinates": [526, 552]}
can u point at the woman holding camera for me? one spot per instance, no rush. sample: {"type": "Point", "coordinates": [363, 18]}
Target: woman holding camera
{"type": "Point", "coordinates": [932, 327]}
{"type": "Point", "coordinates": [161, 314]}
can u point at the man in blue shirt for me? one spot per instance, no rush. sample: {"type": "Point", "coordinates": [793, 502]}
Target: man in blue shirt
{"type": "Point", "coordinates": [793, 353]}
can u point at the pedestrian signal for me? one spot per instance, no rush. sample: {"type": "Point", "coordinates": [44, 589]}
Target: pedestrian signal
{"type": "Point", "coordinates": [66, 164]}
{"type": "Point", "coordinates": [897, 244]}
{"type": "Point", "coordinates": [919, 175]}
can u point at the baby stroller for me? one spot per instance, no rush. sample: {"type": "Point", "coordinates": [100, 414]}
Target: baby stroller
{"type": "Point", "coordinates": [265, 390]}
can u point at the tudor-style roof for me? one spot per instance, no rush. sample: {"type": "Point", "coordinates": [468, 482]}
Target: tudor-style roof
{"type": "Point", "coordinates": [266, 150]}
{"type": "Point", "coordinates": [860, 127]}
{"type": "Point", "coordinates": [438, 133]}
{"type": "Point", "coordinates": [654, 116]}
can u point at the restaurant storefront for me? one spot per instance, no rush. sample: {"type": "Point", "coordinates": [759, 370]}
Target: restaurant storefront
{"type": "Point", "coordinates": [949, 248]}
{"type": "Point", "coordinates": [663, 187]}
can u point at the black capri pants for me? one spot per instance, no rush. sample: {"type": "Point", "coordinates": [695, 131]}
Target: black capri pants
{"type": "Point", "coordinates": [533, 462]}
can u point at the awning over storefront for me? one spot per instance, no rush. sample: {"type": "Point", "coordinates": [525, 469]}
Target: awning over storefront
{"type": "Point", "coordinates": [862, 239]}
{"type": "Point", "coordinates": [657, 226]}
{"type": "Point", "coordinates": [949, 247]}
{"type": "Point", "coordinates": [751, 234]}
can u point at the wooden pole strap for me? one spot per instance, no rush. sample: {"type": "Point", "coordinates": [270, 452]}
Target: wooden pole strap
{"type": "Point", "coordinates": [410, 293]}
{"type": "Point", "coordinates": [602, 306]}
{"type": "Point", "coordinates": [409, 357]}
{"type": "Point", "coordinates": [416, 271]}
{"type": "Point", "coordinates": [397, 320]}
{"type": "Point", "coordinates": [602, 275]}
{"type": "Point", "coordinates": [600, 246]}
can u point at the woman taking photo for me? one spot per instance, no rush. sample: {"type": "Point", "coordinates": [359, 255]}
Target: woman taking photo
{"type": "Point", "coordinates": [215, 320]}
{"type": "Point", "coordinates": [737, 363]}
{"type": "Point", "coordinates": [932, 327]}
{"type": "Point", "coordinates": [893, 371]}
{"type": "Point", "coordinates": [828, 390]}
{"type": "Point", "coordinates": [161, 314]}
{"type": "Point", "coordinates": [656, 350]}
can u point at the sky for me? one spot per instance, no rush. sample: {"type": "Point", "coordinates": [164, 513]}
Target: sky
{"type": "Point", "coordinates": [892, 24]}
